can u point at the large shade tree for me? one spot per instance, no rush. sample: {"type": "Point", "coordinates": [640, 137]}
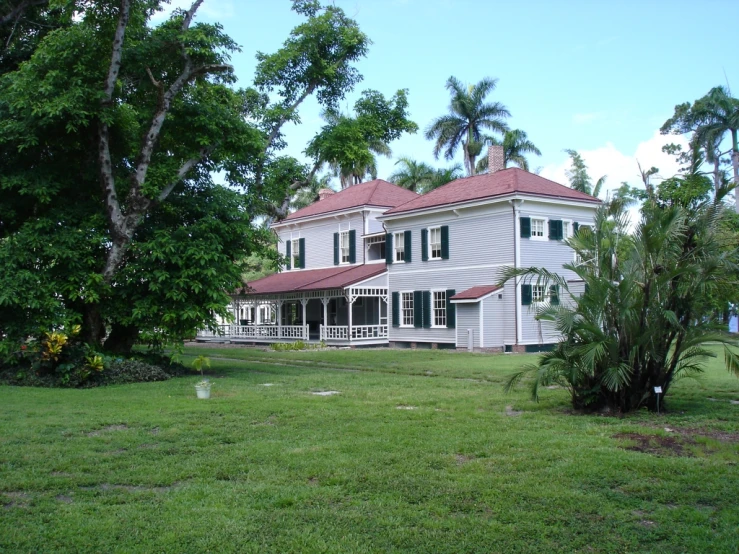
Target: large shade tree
{"type": "Point", "coordinates": [470, 114]}
{"type": "Point", "coordinates": [111, 130]}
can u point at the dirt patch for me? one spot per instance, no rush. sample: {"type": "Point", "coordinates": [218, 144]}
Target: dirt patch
{"type": "Point", "coordinates": [405, 407]}
{"type": "Point", "coordinates": [326, 393]}
{"type": "Point", "coordinates": [64, 498]}
{"type": "Point", "coordinates": [107, 429]}
{"type": "Point", "coordinates": [147, 446]}
{"type": "Point", "coordinates": [463, 459]}
{"type": "Point", "coordinates": [19, 499]}
{"type": "Point", "coordinates": [509, 411]}
{"type": "Point", "coordinates": [61, 474]}
{"type": "Point", "coordinates": [657, 444]}
{"type": "Point", "coordinates": [130, 488]}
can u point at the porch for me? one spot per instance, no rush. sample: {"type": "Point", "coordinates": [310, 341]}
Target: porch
{"type": "Point", "coordinates": [355, 315]}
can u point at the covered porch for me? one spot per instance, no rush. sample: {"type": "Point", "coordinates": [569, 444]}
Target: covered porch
{"type": "Point", "coordinates": [354, 314]}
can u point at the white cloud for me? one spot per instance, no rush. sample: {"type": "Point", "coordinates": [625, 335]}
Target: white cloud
{"type": "Point", "coordinates": [619, 166]}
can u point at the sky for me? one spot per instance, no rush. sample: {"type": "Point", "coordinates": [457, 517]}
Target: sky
{"type": "Point", "coordinates": [597, 77]}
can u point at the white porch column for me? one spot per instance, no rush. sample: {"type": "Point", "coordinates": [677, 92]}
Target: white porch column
{"type": "Point", "coordinates": [279, 304]}
{"type": "Point", "coordinates": [350, 308]}
{"type": "Point", "coordinates": [325, 302]}
{"type": "Point", "coordinates": [304, 302]}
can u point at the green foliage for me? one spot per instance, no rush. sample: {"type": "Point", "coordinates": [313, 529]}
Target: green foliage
{"type": "Point", "coordinates": [200, 362]}
{"type": "Point", "coordinates": [644, 315]}
{"type": "Point", "coordinates": [120, 372]}
{"type": "Point", "coordinates": [469, 115]}
{"type": "Point", "coordinates": [349, 144]}
{"type": "Point", "coordinates": [579, 178]}
{"type": "Point", "coordinates": [295, 346]}
{"type": "Point", "coordinates": [516, 145]}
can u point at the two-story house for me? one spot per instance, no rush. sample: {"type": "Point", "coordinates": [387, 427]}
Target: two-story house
{"type": "Point", "coordinates": [377, 264]}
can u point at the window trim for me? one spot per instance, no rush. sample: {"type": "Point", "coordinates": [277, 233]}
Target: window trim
{"type": "Point", "coordinates": [568, 229]}
{"type": "Point", "coordinates": [429, 243]}
{"type": "Point", "coordinates": [401, 319]}
{"type": "Point", "coordinates": [397, 243]}
{"type": "Point", "coordinates": [544, 295]}
{"type": "Point", "coordinates": [295, 254]}
{"type": "Point", "coordinates": [348, 247]}
{"type": "Point", "coordinates": [544, 229]}
{"type": "Point", "coordinates": [433, 309]}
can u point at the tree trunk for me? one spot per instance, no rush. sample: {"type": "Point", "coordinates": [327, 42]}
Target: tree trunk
{"type": "Point", "coordinates": [93, 327]}
{"type": "Point", "coordinates": [122, 339]}
{"type": "Point", "coordinates": [735, 164]}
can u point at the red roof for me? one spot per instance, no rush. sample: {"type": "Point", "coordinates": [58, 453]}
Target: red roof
{"type": "Point", "coordinates": [475, 292]}
{"type": "Point", "coordinates": [372, 193]}
{"type": "Point", "coordinates": [489, 185]}
{"type": "Point", "coordinates": [312, 279]}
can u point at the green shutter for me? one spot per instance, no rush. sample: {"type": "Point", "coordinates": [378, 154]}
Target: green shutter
{"type": "Point", "coordinates": [554, 295]}
{"type": "Point", "coordinates": [396, 309]}
{"type": "Point", "coordinates": [451, 310]}
{"type": "Point", "coordinates": [424, 245]}
{"type": "Point", "coordinates": [575, 227]}
{"type": "Point", "coordinates": [301, 242]}
{"type": "Point", "coordinates": [525, 295]}
{"type": "Point", "coordinates": [417, 308]}
{"type": "Point", "coordinates": [444, 242]}
{"type": "Point", "coordinates": [336, 248]}
{"type": "Point", "coordinates": [555, 229]}
{"type": "Point", "coordinates": [525, 223]}
{"type": "Point", "coordinates": [288, 253]}
{"type": "Point", "coordinates": [407, 245]}
{"type": "Point", "coordinates": [427, 309]}
{"type": "Point", "coordinates": [352, 246]}
{"type": "Point", "coordinates": [389, 255]}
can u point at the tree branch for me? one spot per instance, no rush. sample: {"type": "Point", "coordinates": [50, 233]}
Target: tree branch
{"type": "Point", "coordinates": [16, 12]}
{"type": "Point", "coordinates": [186, 167]}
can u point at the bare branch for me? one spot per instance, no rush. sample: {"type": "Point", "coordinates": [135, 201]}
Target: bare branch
{"type": "Point", "coordinates": [115, 60]}
{"type": "Point", "coordinates": [16, 12]}
{"type": "Point", "coordinates": [186, 167]}
{"type": "Point", "coordinates": [189, 14]}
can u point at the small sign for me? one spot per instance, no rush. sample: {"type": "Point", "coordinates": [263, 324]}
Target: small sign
{"type": "Point", "coordinates": [658, 390]}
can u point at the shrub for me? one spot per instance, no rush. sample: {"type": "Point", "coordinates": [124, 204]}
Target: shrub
{"type": "Point", "coordinates": [133, 371]}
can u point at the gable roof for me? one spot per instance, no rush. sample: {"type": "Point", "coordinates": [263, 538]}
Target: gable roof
{"type": "Point", "coordinates": [312, 279]}
{"type": "Point", "coordinates": [372, 193]}
{"type": "Point", "coordinates": [490, 185]}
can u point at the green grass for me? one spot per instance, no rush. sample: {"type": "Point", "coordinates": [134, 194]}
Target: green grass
{"type": "Point", "coordinates": [148, 468]}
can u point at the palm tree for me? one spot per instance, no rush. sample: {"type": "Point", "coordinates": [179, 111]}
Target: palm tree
{"type": "Point", "coordinates": [716, 114]}
{"type": "Point", "coordinates": [412, 175]}
{"type": "Point", "coordinates": [443, 176]}
{"type": "Point", "coordinates": [515, 145]}
{"type": "Point", "coordinates": [469, 115]}
{"type": "Point", "coordinates": [579, 177]}
{"type": "Point", "coordinates": [639, 319]}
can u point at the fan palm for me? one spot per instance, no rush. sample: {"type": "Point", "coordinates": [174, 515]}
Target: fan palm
{"type": "Point", "coordinates": [412, 175]}
{"type": "Point", "coordinates": [640, 322]}
{"type": "Point", "coordinates": [515, 145]}
{"type": "Point", "coordinates": [443, 176]}
{"type": "Point", "coordinates": [469, 115]}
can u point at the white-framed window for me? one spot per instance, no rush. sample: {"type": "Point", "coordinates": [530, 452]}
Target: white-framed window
{"type": "Point", "coordinates": [406, 309]}
{"type": "Point", "coordinates": [537, 228]}
{"type": "Point", "coordinates": [295, 254]}
{"type": "Point", "coordinates": [538, 293]}
{"type": "Point", "coordinates": [435, 243]}
{"type": "Point", "coordinates": [566, 228]}
{"type": "Point", "coordinates": [399, 248]}
{"type": "Point", "coordinates": [438, 308]}
{"type": "Point", "coordinates": [344, 247]}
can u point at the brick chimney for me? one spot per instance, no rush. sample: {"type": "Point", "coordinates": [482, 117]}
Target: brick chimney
{"type": "Point", "coordinates": [496, 159]}
{"type": "Point", "coordinates": [324, 193]}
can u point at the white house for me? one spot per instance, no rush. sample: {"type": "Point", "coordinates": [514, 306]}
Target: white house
{"type": "Point", "coordinates": [377, 264]}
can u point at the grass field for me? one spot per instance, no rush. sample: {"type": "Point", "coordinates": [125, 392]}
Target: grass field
{"type": "Point", "coordinates": [418, 452]}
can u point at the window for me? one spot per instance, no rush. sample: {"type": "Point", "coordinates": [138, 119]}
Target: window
{"type": "Point", "coordinates": [295, 254]}
{"type": "Point", "coordinates": [566, 229]}
{"type": "Point", "coordinates": [435, 243]}
{"type": "Point", "coordinates": [537, 228]}
{"type": "Point", "coordinates": [399, 248]}
{"type": "Point", "coordinates": [538, 293]}
{"type": "Point", "coordinates": [438, 298]}
{"type": "Point", "coordinates": [344, 247]}
{"type": "Point", "coordinates": [406, 309]}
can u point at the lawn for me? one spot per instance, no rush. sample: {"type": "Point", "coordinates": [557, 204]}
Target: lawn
{"type": "Point", "coordinates": [420, 451]}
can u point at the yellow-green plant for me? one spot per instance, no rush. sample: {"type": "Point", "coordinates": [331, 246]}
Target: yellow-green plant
{"type": "Point", "coordinates": [199, 362]}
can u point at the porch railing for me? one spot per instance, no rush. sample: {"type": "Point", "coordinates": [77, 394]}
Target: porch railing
{"type": "Point", "coordinates": [274, 332]}
{"type": "Point", "coordinates": [357, 332]}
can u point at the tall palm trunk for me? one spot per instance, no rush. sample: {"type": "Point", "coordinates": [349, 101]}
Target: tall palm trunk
{"type": "Point", "coordinates": [735, 164]}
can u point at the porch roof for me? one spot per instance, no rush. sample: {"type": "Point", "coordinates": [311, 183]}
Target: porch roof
{"type": "Point", "coordinates": [312, 279]}
{"type": "Point", "coordinates": [475, 293]}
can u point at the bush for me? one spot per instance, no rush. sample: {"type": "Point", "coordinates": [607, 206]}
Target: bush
{"type": "Point", "coordinates": [297, 345]}
{"type": "Point", "coordinates": [133, 371]}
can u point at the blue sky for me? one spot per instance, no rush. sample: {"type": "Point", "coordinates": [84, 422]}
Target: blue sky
{"type": "Point", "coordinates": [598, 77]}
